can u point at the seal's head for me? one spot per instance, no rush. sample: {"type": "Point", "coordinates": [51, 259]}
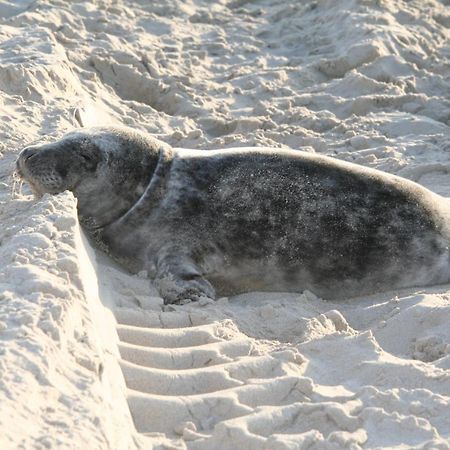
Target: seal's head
{"type": "Point", "coordinates": [107, 169]}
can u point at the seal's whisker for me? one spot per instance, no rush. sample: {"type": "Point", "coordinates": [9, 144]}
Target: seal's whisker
{"type": "Point", "coordinates": [16, 184]}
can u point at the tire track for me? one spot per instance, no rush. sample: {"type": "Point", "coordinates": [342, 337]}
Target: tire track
{"type": "Point", "coordinates": [190, 382]}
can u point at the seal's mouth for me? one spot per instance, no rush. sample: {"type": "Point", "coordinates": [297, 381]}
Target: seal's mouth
{"type": "Point", "coordinates": [19, 170]}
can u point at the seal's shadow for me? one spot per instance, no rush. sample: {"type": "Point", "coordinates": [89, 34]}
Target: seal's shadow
{"type": "Point", "coordinates": [399, 320]}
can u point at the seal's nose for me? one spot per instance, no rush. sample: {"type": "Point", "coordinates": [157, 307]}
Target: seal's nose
{"type": "Point", "coordinates": [26, 153]}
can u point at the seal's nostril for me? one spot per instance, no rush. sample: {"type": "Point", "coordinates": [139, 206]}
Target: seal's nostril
{"type": "Point", "coordinates": [27, 153]}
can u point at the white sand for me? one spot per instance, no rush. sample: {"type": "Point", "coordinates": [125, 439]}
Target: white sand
{"type": "Point", "coordinates": [366, 81]}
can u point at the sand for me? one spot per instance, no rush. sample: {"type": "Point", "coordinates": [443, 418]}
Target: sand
{"type": "Point", "coordinates": [89, 356]}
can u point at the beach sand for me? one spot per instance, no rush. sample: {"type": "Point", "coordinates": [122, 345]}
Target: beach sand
{"type": "Point", "coordinates": [89, 357]}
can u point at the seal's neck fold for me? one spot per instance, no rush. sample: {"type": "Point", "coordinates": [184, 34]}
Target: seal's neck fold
{"type": "Point", "coordinates": [114, 197]}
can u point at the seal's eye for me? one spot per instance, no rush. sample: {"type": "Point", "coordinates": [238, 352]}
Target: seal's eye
{"type": "Point", "coordinates": [86, 157]}
{"type": "Point", "coordinates": [89, 160]}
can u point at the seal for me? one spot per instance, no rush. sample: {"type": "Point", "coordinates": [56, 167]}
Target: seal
{"type": "Point", "coordinates": [207, 222]}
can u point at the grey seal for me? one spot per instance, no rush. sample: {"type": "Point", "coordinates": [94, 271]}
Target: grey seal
{"type": "Point", "coordinates": [220, 222]}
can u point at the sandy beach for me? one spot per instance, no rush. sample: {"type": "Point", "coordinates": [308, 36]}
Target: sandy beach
{"type": "Point", "coordinates": [90, 358]}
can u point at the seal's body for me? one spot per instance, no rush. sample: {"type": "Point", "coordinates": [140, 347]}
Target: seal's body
{"type": "Point", "coordinates": [248, 218]}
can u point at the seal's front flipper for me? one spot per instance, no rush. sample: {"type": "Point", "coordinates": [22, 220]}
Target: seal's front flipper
{"type": "Point", "coordinates": [179, 278]}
